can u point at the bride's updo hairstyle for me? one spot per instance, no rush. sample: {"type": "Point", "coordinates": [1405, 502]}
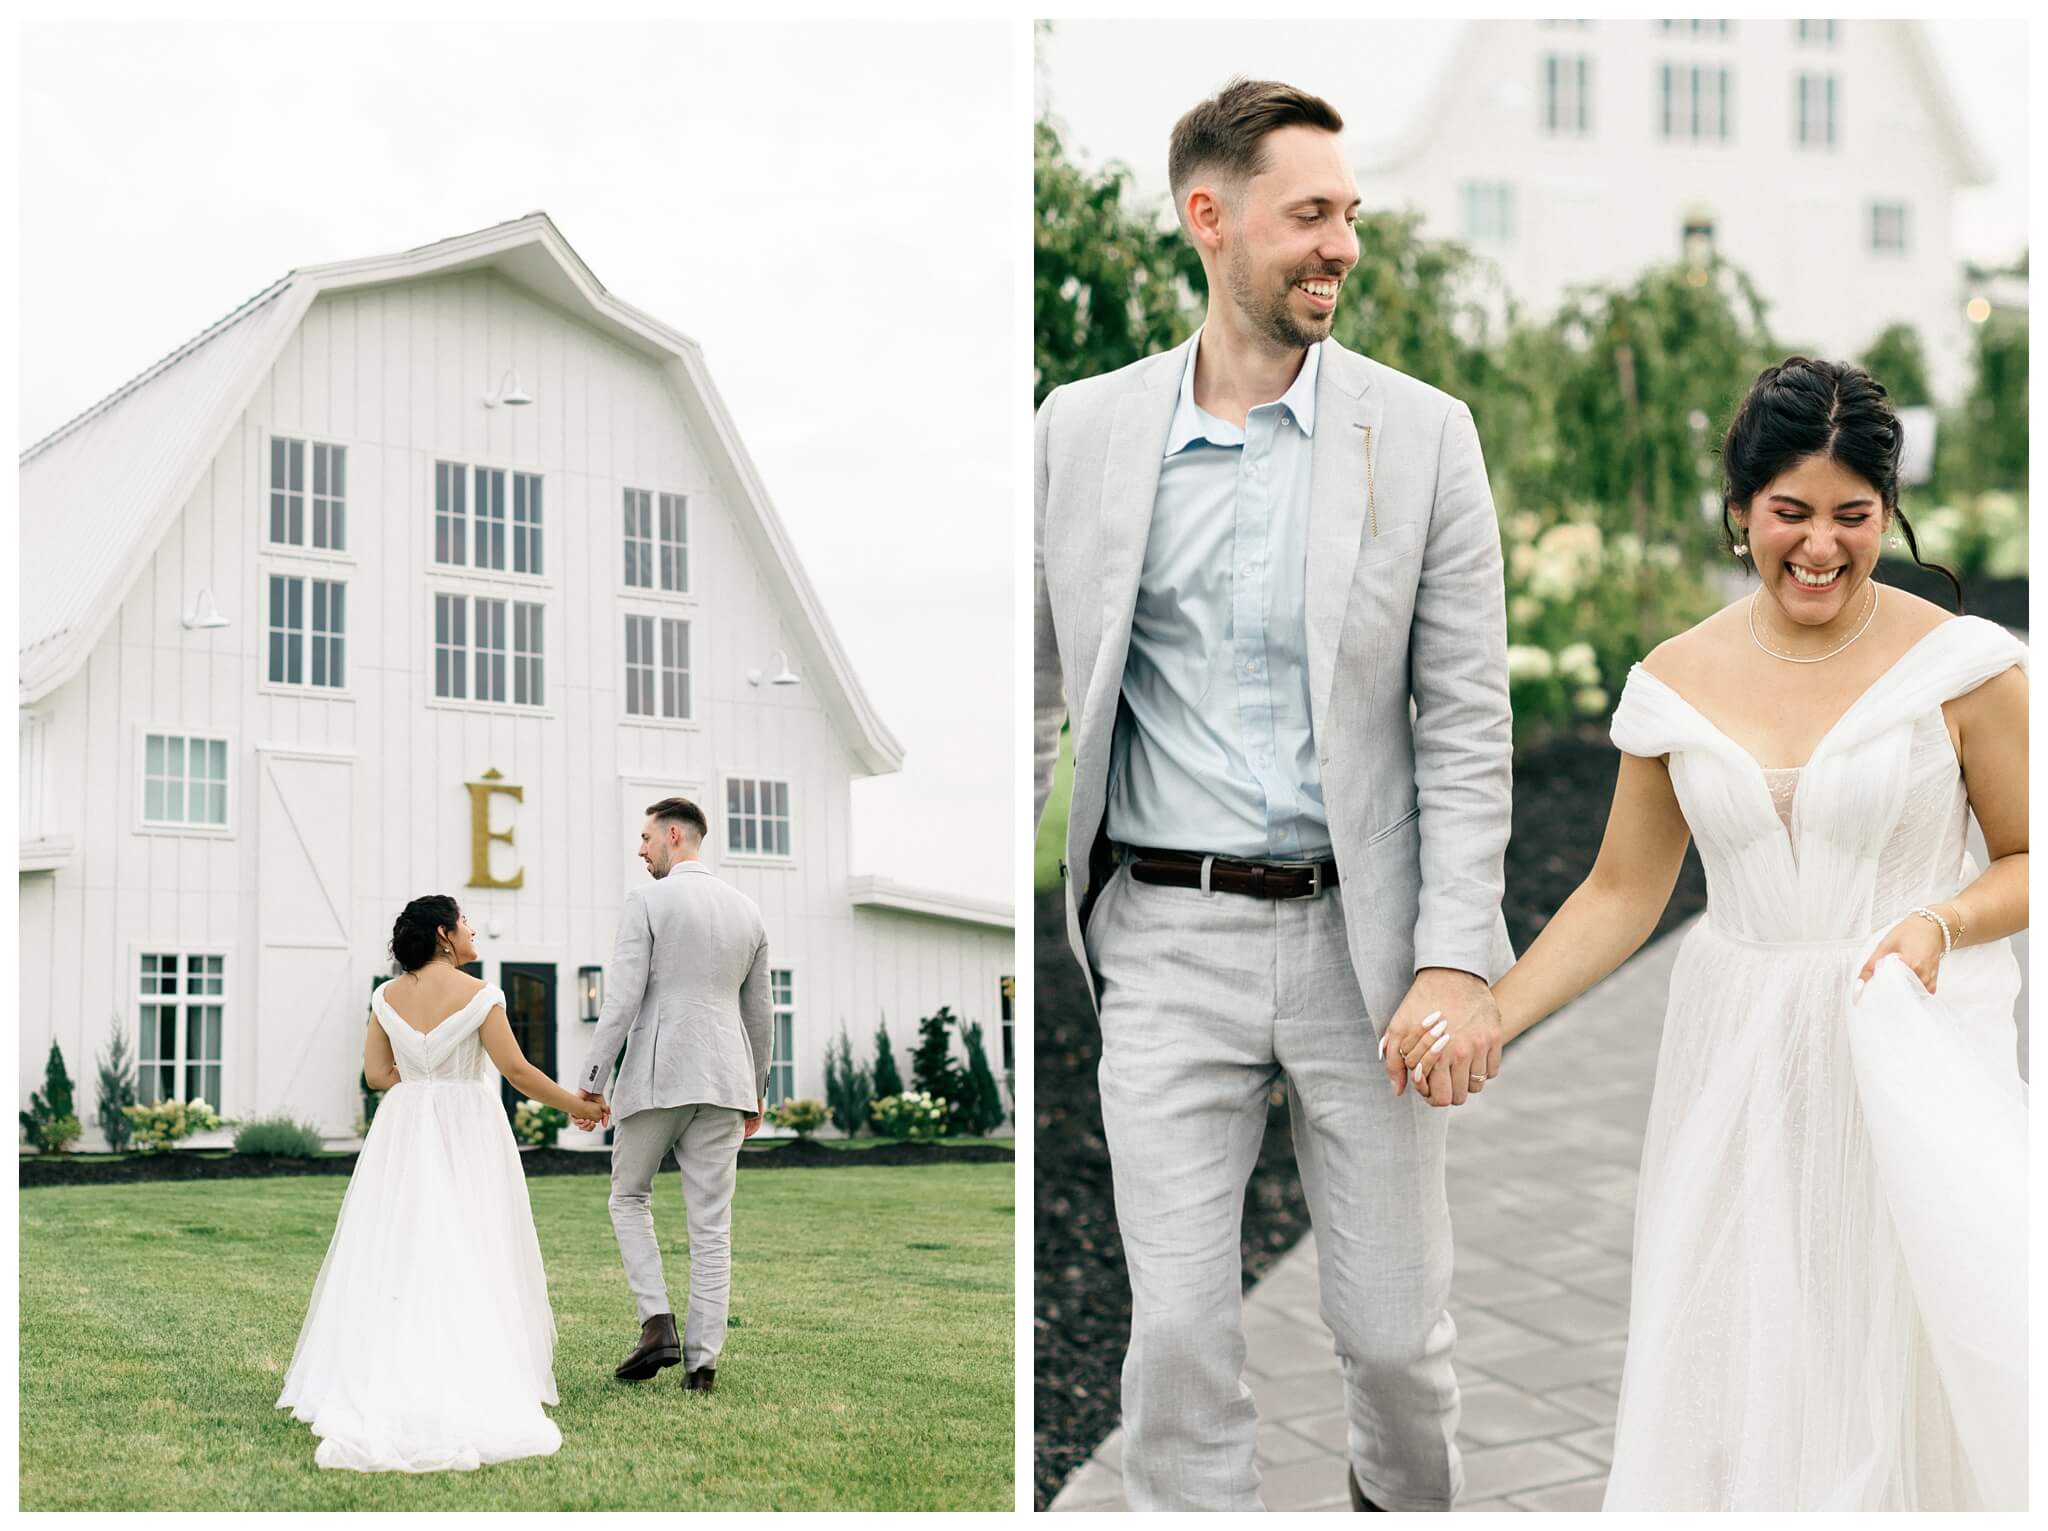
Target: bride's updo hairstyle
{"type": "Point", "coordinates": [417, 934]}
{"type": "Point", "coordinates": [1804, 408]}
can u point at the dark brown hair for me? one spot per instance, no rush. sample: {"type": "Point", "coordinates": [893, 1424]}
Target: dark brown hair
{"type": "Point", "coordinates": [680, 810]}
{"type": "Point", "coordinates": [1805, 408]}
{"type": "Point", "coordinates": [1227, 132]}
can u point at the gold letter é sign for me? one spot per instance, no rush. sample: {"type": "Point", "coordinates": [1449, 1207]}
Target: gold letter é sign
{"type": "Point", "coordinates": [481, 834]}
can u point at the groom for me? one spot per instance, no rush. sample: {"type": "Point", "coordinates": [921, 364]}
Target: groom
{"type": "Point", "coordinates": [1270, 603]}
{"type": "Point", "coordinates": [687, 998]}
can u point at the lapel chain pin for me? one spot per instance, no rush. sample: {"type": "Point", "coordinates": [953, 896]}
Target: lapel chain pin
{"type": "Point", "coordinates": [1372, 510]}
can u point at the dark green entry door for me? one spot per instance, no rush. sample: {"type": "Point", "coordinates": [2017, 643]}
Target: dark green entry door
{"type": "Point", "coordinates": [530, 1007]}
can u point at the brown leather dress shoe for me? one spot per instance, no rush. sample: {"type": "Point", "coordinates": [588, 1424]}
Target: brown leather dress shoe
{"type": "Point", "coordinates": [658, 1347]}
{"type": "Point", "coordinates": [700, 1380]}
{"type": "Point", "coordinates": [1358, 1499]}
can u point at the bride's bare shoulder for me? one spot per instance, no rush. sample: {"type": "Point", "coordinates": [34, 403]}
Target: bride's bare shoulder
{"type": "Point", "coordinates": [1685, 660]}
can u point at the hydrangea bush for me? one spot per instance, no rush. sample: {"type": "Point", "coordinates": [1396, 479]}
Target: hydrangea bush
{"type": "Point", "coordinates": [801, 1116]}
{"type": "Point", "coordinates": [169, 1122]}
{"type": "Point", "coordinates": [915, 1114]}
{"type": "Point", "coordinates": [1574, 623]}
{"type": "Point", "coordinates": [537, 1124]}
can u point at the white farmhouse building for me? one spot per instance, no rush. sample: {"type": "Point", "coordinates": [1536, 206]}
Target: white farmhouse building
{"type": "Point", "coordinates": [1821, 157]}
{"type": "Point", "coordinates": [428, 573]}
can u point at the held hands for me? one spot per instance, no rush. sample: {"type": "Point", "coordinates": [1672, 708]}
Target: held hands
{"type": "Point", "coordinates": [753, 1123]}
{"type": "Point", "coordinates": [1915, 941]}
{"type": "Point", "coordinates": [600, 1116]}
{"type": "Point", "coordinates": [1446, 1037]}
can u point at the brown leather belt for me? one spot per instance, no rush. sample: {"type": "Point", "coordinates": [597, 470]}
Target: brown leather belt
{"type": "Point", "coordinates": [1228, 874]}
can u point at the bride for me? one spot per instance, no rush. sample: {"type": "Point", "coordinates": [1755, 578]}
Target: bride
{"type": "Point", "coordinates": [429, 1343]}
{"type": "Point", "coordinates": [1829, 1302]}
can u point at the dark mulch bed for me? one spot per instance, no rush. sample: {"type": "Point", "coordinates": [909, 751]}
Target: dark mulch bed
{"type": "Point", "coordinates": [797, 1154]}
{"type": "Point", "coordinates": [1082, 1299]}
{"type": "Point", "coordinates": [2003, 601]}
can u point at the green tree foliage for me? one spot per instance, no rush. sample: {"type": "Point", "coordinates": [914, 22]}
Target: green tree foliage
{"type": "Point", "coordinates": [1107, 283]}
{"type": "Point", "coordinates": [848, 1089]}
{"type": "Point", "coordinates": [1897, 360]}
{"type": "Point", "coordinates": [50, 1121]}
{"type": "Point", "coordinates": [932, 1069]}
{"type": "Point", "coordinates": [887, 1080]}
{"type": "Point", "coordinates": [1982, 443]}
{"type": "Point", "coordinates": [117, 1089]}
{"type": "Point", "coordinates": [982, 1104]}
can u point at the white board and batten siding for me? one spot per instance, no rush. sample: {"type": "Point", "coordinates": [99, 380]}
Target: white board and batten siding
{"type": "Point", "coordinates": [344, 803]}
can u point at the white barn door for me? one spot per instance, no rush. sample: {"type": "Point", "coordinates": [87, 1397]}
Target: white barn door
{"type": "Point", "coordinates": [304, 1033]}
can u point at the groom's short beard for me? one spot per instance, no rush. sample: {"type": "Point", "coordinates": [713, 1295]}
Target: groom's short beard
{"type": "Point", "coordinates": [1270, 315]}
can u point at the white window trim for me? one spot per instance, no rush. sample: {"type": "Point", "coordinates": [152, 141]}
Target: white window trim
{"type": "Point", "coordinates": [616, 543]}
{"type": "Point", "coordinates": [132, 1019]}
{"type": "Point", "coordinates": [1904, 248]}
{"type": "Point", "coordinates": [305, 689]}
{"type": "Point", "coordinates": [549, 545]}
{"type": "Point", "coordinates": [1579, 123]}
{"type": "Point", "coordinates": [796, 1010]}
{"type": "Point", "coordinates": [294, 549]}
{"type": "Point", "coordinates": [660, 611]}
{"type": "Point", "coordinates": [754, 858]}
{"type": "Point", "coordinates": [468, 592]}
{"type": "Point", "coordinates": [139, 746]}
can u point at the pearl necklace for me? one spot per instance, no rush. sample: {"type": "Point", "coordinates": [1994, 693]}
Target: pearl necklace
{"type": "Point", "coordinates": [1870, 611]}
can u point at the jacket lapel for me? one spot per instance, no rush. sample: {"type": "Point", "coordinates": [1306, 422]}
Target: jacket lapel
{"type": "Point", "coordinates": [1130, 480]}
{"type": "Point", "coordinates": [1338, 495]}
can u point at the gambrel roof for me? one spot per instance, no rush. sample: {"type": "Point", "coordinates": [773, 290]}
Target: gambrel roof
{"type": "Point", "coordinates": [99, 493]}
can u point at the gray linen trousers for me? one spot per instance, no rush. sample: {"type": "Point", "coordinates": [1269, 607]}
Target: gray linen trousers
{"type": "Point", "coordinates": [686, 995]}
{"type": "Point", "coordinates": [1207, 999]}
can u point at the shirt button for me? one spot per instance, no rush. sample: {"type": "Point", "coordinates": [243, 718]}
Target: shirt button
{"type": "Point", "coordinates": [1248, 570]}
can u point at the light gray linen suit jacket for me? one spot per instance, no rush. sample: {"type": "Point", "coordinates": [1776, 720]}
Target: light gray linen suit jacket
{"type": "Point", "coordinates": [1405, 604]}
{"type": "Point", "coordinates": [687, 993]}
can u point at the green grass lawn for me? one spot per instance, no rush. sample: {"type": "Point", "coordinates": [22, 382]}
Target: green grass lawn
{"type": "Point", "coordinates": [868, 1366]}
{"type": "Point", "coordinates": [1052, 828]}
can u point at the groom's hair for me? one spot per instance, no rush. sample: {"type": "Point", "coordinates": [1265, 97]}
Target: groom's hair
{"type": "Point", "coordinates": [680, 810]}
{"type": "Point", "coordinates": [1225, 135]}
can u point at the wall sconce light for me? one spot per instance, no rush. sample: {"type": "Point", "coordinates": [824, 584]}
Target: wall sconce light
{"type": "Point", "coordinates": [509, 392]}
{"type": "Point", "coordinates": [590, 992]}
{"type": "Point", "coordinates": [783, 675]}
{"type": "Point", "coordinates": [202, 614]}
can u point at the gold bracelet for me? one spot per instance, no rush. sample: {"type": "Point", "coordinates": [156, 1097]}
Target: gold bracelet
{"type": "Point", "coordinates": [1957, 910]}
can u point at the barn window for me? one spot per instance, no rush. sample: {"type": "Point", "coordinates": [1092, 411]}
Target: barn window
{"type": "Point", "coordinates": [528, 654]}
{"type": "Point", "coordinates": [295, 645]}
{"type": "Point", "coordinates": [782, 1049]}
{"type": "Point", "coordinates": [180, 997]}
{"type": "Point", "coordinates": [526, 523]}
{"type": "Point", "coordinates": [640, 539]}
{"type": "Point", "coordinates": [289, 500]}
{"type": "Point", "coordinates": [756, 817]}
{"type": "Point", "coordinates": [184, 780]}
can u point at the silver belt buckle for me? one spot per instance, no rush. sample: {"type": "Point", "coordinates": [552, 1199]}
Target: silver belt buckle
{"type": "Point", "coordinates": [1313, 868]}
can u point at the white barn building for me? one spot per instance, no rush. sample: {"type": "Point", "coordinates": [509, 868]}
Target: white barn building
{"type": "Point", "coordinates": [1821, 157]}
{"type": "Point", "coordinates": [427, 573]}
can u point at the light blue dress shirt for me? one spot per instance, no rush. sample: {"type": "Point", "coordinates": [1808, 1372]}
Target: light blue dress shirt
{"type": "Point", "coordinates": [1213, 750]}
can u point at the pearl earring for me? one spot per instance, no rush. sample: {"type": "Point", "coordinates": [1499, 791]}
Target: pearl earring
{"type": "Point", "coordinates": [1741, 549]}
{"type": "Point", "coordinates": [1897, 541]}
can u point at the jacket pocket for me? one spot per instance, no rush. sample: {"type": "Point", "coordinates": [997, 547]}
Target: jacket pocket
{"type": "Point", "coordinates": [1396, 827]}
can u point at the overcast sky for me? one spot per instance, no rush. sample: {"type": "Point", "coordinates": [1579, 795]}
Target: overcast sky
{"type": "Point", "coordinates": [1379, 73]}
{"type": "Point", "coordinates": [823, 207]}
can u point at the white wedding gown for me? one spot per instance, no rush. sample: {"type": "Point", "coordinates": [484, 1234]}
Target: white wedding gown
{"type": "Point", "coordinates": [1829, 1296]}
{"type": "Point", "coordinates": [429, 1343]}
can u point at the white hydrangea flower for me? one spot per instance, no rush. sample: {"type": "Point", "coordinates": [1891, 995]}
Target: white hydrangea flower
{"type": "Point", "coordinates": [1529, 662]}
{"type": "Point", "coordinates": [1578, 664]}
{"type": "Point", "coordinates": [1591, 700]}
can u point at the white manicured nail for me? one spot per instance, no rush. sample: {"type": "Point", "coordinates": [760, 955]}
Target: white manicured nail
{"type": "Point", "coordinates": [1383, 1047]}
{"type": "Point", "coordinates": [1441, 1042]}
